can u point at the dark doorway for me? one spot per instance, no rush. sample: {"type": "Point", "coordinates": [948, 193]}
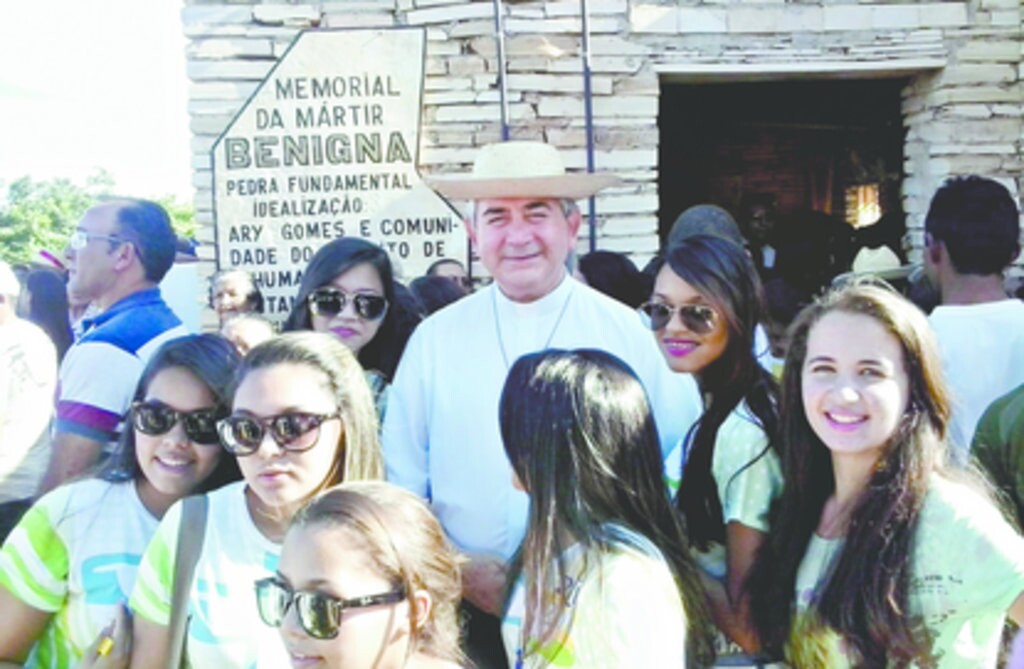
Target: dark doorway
{"type": "Point", "coordinates": [801, 145]}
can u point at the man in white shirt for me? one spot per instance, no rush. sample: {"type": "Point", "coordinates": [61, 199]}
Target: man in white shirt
{"type": "Point", "coordinates": [28, 377]}
{"type": "Point", "coordinates": [440, 437]}
{"type": "Point", "coordinates": [972, 234]}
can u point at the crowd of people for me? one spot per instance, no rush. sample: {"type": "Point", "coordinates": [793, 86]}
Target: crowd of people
{"type": "Point", "coordinates": [574, 465]}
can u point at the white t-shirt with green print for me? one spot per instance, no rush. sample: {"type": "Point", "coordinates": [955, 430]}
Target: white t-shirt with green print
{"type": "Point", "coordinates": [748, 479]}
{"type": "Point", "coordinates": [75, 554]}
{"type": "Point", "coordinates": [224, 629]}
{"type": "Point", "coordinates": [967, 569]}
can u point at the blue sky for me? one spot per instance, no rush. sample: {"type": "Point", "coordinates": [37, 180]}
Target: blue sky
{"type": "Point", "coordinates": [86, 84]}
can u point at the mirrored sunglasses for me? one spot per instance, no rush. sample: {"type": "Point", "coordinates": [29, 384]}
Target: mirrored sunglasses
{"type": "Point", "coordinates": [242, 434]}
{"type": "Point", "coordinates": [155, 419]}
{"type": "Point", "coordinates": [697, 318]}
{"type": "Point", "coordinates": [318, 614]}
{"type": "Point", "coordinates": [330, 302]}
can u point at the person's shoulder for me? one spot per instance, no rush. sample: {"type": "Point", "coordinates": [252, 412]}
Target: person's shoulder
{"type": "Point", "coordinates": [952, 502]}
{"type": "Point", "coordinates": [130, 329]}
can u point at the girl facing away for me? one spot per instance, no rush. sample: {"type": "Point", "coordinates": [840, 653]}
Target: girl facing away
{"type": "Point", "coordinates": [69, 565]}
{"type": "Point", "coordinates": [879, 556]}
{"type": "Point", "coordinates": [604, 577]}
{"type": "Point", "coordinates": [704, 309]}
{"type": "Point", "coordinates": [302, 420]}
{"type": "Point", "coordinates": [367, 580]}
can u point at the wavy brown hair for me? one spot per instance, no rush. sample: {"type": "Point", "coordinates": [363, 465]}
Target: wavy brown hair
{"type": "Point", "coordinates": [865, 598]}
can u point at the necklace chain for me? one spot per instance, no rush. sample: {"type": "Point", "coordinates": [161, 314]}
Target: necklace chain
{"type": "Point", "coordinates": [497, 325]}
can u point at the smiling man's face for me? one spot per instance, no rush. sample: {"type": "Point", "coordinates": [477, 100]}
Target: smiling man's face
{"type": "Point", "coordinates": [523, 243]}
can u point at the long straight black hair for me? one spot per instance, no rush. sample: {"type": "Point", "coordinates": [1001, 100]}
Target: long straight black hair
{"type": "Point", "coordinates": [579, 432]}
{"type": "Point", "coordinates": [721, 271]}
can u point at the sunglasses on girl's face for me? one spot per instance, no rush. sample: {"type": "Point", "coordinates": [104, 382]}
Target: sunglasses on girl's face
{"type": "Point", "coordinates": [697, 318]}
{"type": "Point", "coordinates": [155, 418]}
{"type": "Point", "coordinates": [330, 302]}
{"type": "Point", "coordinates": [242, 434]}
{"type": "Point", "coordinates": [319, 614]}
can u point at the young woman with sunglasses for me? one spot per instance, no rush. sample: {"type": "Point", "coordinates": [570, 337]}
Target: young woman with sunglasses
{"type": "Point", "coordinates": [68, 567]}
{"type": "Point", "coordinates": [880, 556]}
{"type": "Point", "coordinates": [367, 580]}
{"type": "Point", "coordinates": [604, 577]}
{"type": "Point", "coordinates": [348, 290]}
{"type": "Point", "coordinates": [302, 420]}
{"type": "Point", "coordinates": [704, 308]}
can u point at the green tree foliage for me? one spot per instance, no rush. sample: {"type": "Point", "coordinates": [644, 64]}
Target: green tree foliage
{"type": "Point", "coordinates": [38, 215]}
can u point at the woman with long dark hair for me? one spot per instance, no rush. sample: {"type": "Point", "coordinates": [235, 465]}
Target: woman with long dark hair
{"type": "Point", "coordinates": [604, 577]}
{"type": "Point", "coordinates": [879, 555]}
{"type": "Point", "coordinates": [348, 290]}
{"type": "Point", "coordinates": [705, 305]}
{"type": "Point", "coordinates": [69, 565]}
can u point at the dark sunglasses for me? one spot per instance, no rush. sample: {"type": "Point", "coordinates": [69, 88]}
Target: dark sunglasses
{"type": "Point", "coordinates": [154, 418]}
{"type": "Point", "coordinates": [242, 434]}
{"type": "Point", "coordinates": [697, 318]}
{"type": "Point", "coordinates": [319, 614]}
{"type": "Point", "coordinates": [330, 302]}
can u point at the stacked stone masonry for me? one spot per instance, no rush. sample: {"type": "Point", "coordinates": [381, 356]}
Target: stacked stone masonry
{"type": "Point", "coordinates": [963, 108]}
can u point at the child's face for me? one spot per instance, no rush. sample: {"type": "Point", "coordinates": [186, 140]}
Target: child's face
{"type": "Point", "coordinates": [328, 560]}
{"type": "Point", "coordinates": [855, 385]}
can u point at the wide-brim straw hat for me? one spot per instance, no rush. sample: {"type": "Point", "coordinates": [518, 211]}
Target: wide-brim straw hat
{"type": "Point", "coordinates": [520, 169]}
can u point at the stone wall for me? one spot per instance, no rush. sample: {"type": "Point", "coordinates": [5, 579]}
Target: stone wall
{"type": "Point", "coordinates": [963, 107]}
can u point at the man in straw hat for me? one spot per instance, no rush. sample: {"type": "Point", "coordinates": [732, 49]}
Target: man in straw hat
{"type": "Point", "coordinates": [441, 437]}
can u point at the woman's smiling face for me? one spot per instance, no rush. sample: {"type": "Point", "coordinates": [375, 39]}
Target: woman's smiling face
{"type": "Point", "coordinates": [684, 349]}
{"type": "Point", "coordinates": [854, 383]}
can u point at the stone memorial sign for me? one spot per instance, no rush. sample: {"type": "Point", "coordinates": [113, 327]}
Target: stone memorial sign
{"type": "Point", "coordinates": [326, 148]}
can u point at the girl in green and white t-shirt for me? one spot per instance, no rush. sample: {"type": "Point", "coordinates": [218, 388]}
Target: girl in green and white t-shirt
{"type": "Point", "coordinates": [302, 420]}
{"type": "Point", "coordinates": [725, 473]}
{"type": "Point", "coordinates": [71, 562]}
{"type": "Point", "coordinates": [879, 555]}
{"type": "Point", "coordinates": [604, 577]}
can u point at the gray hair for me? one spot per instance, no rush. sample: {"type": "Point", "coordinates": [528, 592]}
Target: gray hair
{"type": "Point", "coordinates": [566, 204]}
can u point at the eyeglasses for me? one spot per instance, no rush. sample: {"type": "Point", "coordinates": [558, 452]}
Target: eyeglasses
{"type": "Point", "coordinates": [155, 418]}
{"type": "Point", "coordinates": [319, 614]}
{"type": "Point", "coordinates": [80, 238]}
{"type": "Point", "coordinates": [242, 434]}
{"type": "Point", "coordinates": [697, 318]}
{"type": "Point", "coordinates": [330, 302]}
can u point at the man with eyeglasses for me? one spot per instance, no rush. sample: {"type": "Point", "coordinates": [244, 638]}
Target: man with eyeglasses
{"type": "Point", "coordinates": [440, 437]}
{"type": "Point", "coordinates": [116, 256]}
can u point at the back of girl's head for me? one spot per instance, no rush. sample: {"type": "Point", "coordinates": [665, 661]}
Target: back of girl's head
{"type": "Point", "coordinates": [723, 273]}
{"type": "Point", "coordinates": [578, 430]}
{"type": "Point", "coordinates": [404, 543]}
{"type": "Point", "coordinates": [334, 258]}
{"type": "Point", "coordinates": [359, 454]}
{"type": "Point", "coordinates": [213, 361]}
